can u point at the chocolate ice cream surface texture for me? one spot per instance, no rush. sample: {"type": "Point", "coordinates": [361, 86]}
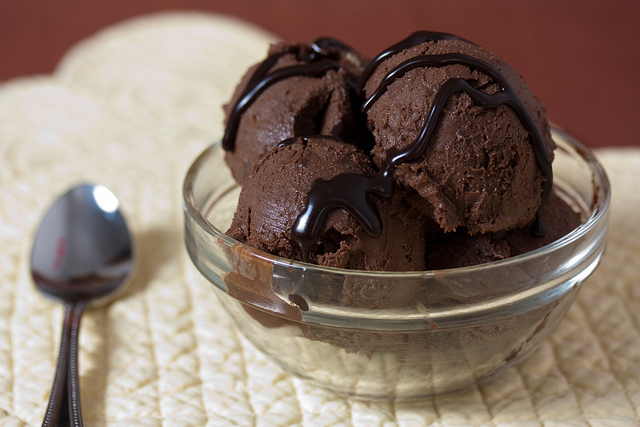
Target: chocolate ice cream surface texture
{"type": "Point", "coordinates": [277, 194]}
{"type": "Point", "coordinates": [452, 162]}
{"type": "Point", "coordinates": [299, 89]}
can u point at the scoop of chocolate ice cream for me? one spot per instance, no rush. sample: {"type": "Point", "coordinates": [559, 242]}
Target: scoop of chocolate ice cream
{"type": "Point", "coordinates": [276, 195]}
{"type": "Point", "coordinates": [559, 218]}
{"type": "Point", "coordinates": [461, 249]}
{"type": "Point", "coordinates": [299, 89]}
{"type": "Point", "coordinates": [461, 127]}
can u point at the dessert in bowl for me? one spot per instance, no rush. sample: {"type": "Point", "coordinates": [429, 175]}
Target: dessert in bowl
{"type": "Point", "coordinates": [422, 286]}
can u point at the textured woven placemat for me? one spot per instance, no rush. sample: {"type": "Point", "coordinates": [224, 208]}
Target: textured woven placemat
{"type": "Point", "coordinates": [130, 108]}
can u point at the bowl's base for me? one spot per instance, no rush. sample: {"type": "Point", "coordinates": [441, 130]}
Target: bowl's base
{"type": "Point", "coordinates": [399, 366]}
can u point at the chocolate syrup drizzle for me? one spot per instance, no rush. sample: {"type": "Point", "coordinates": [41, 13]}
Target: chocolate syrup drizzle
{"type": "Point", "coordinates": [323, 57]}
{"type": "Point", "coordinates": [414, 39]}
{"type": "Point", "coordinates": [505, 95]}
{"type": "Point", "coordinates": [348, 191]}
{"type": "Point", "coordinates": [352, 192]}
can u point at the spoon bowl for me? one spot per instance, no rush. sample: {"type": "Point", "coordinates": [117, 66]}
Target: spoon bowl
{"type": "Point", "coordinates": [82, 254]}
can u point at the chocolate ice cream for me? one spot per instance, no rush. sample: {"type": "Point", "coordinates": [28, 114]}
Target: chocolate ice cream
{"type": "Point", "coordinates": [277, 193]}
{"type": "Point", "coordinates": [461, 249]}
{"type": "Point", "coordinates": [460, 172]}
{"type": "Point", "coordinates": [299, 89]}
{"type": "Point", "coordinates": [461, 127]}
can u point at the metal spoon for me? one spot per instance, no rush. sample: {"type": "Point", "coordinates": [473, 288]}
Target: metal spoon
{"type": "Point", "coordinates": [82, 253]}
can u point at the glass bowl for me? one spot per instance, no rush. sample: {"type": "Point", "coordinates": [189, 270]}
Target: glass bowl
{"type": "Point", "coordinates": [427, 332]}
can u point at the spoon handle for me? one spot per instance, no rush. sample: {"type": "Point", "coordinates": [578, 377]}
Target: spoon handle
{"type": "Point", "coordinates": [73, 377]}
{"type": "Point", "coordinates": [58, 390]}
{"type": "Point", "coordinates": [66, 386]}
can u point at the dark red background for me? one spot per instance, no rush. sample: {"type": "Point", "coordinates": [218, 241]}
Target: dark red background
{"type": "Point", "coordinates": [580, 57]}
